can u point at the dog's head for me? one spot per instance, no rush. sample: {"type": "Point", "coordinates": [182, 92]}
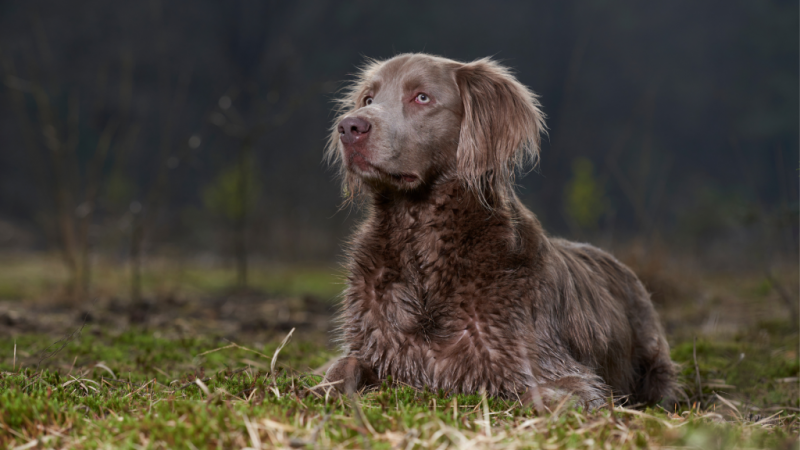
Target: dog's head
{"type": "Point", "coordinates": [416, 119]}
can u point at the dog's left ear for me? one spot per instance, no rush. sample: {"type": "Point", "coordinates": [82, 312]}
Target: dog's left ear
{"type": "Point", "coordinates": [500, 128]}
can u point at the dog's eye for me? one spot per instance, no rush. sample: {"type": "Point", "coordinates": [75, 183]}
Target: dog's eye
{"type": "Point", "coordinates": [368, 101]}
{"type": "Point", "coordinates": [422, 98]}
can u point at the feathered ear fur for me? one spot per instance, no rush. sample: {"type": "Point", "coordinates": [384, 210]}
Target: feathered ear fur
{"type": "Point", "coordinates": [346, 103]}
{"type": "Point", "coordinates": [500, 129]}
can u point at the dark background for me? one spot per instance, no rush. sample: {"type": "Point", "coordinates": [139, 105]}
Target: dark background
{"type": "Point", "coordinates": [670, 123]}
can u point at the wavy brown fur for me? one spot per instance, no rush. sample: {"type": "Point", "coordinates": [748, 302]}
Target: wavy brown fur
{"type": "Point", "coordinates": [453, 284]}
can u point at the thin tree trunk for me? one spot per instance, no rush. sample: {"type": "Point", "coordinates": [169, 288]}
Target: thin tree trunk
{"type": "Point", "coordinates": [240, 245]}
{"type": "Point", "coordinates": [145, 219]}
{"type": "Point", "coordinates": [136, 261]}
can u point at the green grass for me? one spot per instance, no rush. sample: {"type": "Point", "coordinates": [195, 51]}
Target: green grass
{"type": "Point", "coordinates": [25, 277]}
{"type": "Point", "coordinates": [136, 389]}
{"type": "Point", "coordinates": [754, 365]}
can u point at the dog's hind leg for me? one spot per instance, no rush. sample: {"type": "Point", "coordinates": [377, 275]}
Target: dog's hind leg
{"type": "Point", "coordinates": [656, 373]}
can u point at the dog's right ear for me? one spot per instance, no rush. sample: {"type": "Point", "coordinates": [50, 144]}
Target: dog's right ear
{"type": "Point", "coordinates": [500, 128]}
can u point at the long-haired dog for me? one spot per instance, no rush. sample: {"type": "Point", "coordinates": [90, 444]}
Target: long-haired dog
{"type": "Point", "coordinates": [453, 284]}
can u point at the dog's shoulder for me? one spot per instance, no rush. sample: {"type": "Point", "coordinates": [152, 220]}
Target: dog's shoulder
{"type": "Point", "coordinates": [584, 256]}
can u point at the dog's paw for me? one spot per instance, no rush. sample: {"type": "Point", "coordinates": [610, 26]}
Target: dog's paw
{"type": "Point", "coordinates": [347, 376]}
{"type": "Point", "coordinates": [571, 391]}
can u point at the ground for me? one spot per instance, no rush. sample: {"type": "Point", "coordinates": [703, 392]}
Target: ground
{"type": "Point", "coordinates": [199, 365]}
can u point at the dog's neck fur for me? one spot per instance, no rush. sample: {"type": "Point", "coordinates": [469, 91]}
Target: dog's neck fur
{"type": "Point", "coordinates": [446, 226]}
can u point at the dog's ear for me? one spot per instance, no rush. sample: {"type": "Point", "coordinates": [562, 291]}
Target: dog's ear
{"type": "Point", "coordinates": [500, 128]}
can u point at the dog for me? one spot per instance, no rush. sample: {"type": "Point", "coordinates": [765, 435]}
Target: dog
{"type": "Point", "coordinates": [453, 284]}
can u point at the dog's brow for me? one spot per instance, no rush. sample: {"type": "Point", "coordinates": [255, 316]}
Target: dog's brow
{"type": "Point", "coordinates": [374, 85]}
{"type": "Point", "coordinates": [413, 83]}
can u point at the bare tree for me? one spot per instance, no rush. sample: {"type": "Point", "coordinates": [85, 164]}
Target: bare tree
{"type": "Point", "coordinates": [52, 140]}
{"type": "Point", "coordinates": [234, 192]}
{"type": "Point", "coordinates": [145, 213]}
{"type": "Point", "coordinates": [644, 187]}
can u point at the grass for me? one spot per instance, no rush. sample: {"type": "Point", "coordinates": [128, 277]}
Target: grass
{"type": "Point", "coordinates": [35, 276]}
{"type": "Point", "coordinates": [138, 389]}
{"type": "Point", "coordinates": [164, 386]}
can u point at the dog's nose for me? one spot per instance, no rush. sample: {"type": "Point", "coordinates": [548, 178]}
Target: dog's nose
{"type": "Point", "coordinates": [353, 129]}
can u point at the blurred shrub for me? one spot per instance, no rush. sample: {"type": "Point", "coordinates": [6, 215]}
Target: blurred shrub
{"type": "Point", "coordinates": [120, 190]}
{"type": "Point", "coordinates": [711, 212]}
{"type": "Point", "coordinates": [585, 199]}
{"type": "Point", "coordinates": [233, 192]}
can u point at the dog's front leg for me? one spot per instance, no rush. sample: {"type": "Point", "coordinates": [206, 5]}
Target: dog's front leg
{"type": "Point", "coordinates": [587, 391]}
{"type": "Point", "coordinates": [349, 374]}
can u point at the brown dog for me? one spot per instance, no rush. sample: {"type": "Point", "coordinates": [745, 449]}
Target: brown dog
{"type": "Point", "coordinates": [452, 283]}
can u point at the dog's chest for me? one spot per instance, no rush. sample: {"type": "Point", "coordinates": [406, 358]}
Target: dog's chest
{"type": "Point", "coordinates": [438, 297]}
{"type": "Point", "coordinates": [426, 315]}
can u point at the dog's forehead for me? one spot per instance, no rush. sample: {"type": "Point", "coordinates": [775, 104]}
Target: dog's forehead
{"type": "Point", "coordinates": [406, 70]}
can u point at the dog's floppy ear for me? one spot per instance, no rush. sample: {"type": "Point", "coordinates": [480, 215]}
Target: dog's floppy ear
{"type": "Point", "coordinates": [500, 128]}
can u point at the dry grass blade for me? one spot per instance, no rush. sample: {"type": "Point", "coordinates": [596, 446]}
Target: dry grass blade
{"type": "Point", "coordinates": [697, 371]}
{"type": "Point", "coordinates": [79, 381]}
{"type": "Point", "coordinates": [252, 431]}
{"type": "Point", "coordinates": [318, 428]}
{"type": "Point", "coordinates": [138, 390]}
{"type": "Point", "coordinates": [530, 423]}
{"type": "Point", "coordinates": [202, 386]}
{"type": "Point", "coordinates": [277, 425]}
{"type": "Point", "coordinates": [166, 375]}
{"type": "Point", "coordinates": [234, 345]}
{"type": "Point", "coordinates": [730, 405]}
{"type": "Point", "coordinates": [278, 350]}
{"type": "Point", "coordinates": [106, 368]}
{"type": "Point", "coordinates": [486, 417]}
{"type": "Point", "coordinates": [769, 419]}
{"type": "Point", "coordinates": [362, 419]}
{"type": "Point", "coordinates": [645, 415]}
{"type": "Point", "coordinates": [217, 349]}
{"type": "Point", "coordinates": [560, 406]}
{"type": "Point", "coordinates": [324, 387]}
{"type": "Point", "coordinates": [191, 383]}
{"type": "Point", "coordinates": [30, 444]}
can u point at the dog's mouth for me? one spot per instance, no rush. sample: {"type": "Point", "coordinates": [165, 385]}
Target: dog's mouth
{"type": "Point", "coordinates": [404, 177]}
{"type": "Point", "coordinates": [366, 168]}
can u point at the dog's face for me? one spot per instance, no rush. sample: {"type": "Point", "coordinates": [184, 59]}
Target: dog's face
{"type": "Point", "coordinates": [404, 126]}
{"type": "Point", "coordinates": [414, 119]}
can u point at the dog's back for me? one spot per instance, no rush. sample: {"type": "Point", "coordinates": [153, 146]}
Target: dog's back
{"type": "Point", "coordinates": [609, 321]}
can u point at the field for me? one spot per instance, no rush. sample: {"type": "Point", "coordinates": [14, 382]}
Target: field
{"type": "Point", "coordinates": [198, 365]}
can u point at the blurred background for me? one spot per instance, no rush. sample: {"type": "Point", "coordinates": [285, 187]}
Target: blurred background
{"type": "Point", "coordinates": [149, 146]}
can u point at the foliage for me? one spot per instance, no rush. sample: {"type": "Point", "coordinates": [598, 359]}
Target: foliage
{"type": "Point", "coordinates": [119, 189]}
{"type": "Point", "coordinates": [233, 192]}
{"type": "Point", "coordinates": [585, 199]}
